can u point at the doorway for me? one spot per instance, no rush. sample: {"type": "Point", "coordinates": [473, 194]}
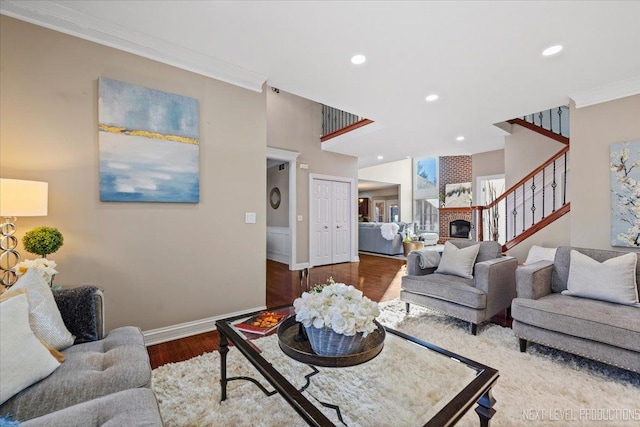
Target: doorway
{"type": "Point", "coordinates": [281, 203]}
{"type": "Point", "coordinates": [332, 219]}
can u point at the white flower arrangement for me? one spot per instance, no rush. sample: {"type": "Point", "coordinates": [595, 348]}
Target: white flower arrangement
{"type": "Point", "coordinates": [340, 307]}
{"type": "Point", "coordinates": [45, 266]}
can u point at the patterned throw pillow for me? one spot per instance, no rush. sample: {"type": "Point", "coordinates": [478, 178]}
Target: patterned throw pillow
{"type": "Point", "coordinates": [44, 316]}
{"type": "Point", "coordinates": [23, 359]}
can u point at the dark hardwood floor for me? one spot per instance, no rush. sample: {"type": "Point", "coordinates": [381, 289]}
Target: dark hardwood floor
{"type": "Point", "coordinates": [379, 278]}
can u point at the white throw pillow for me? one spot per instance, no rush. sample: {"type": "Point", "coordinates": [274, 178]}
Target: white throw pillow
{"type": "Point", "coordinates": [458, 262]}
{"type": "Point", "coordinates": [613, 280]}
{"type": "Point", "coordinates": [44, 315]}
{"type": "Point", "coordinates": [23, 359]}
{"type": "Point", "coordinates": [538, 253]}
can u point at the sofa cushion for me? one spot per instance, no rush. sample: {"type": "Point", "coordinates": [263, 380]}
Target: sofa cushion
{"type": "Point", "coordinates": [606, 322]}
{"type": "Point", "coordinates": [24, 360]}
{"type": "Point", "coordinates": [126, 408]}
{"type": "Point", "coordinates": [447, 288]}
{"type": "Point", "coordinates": [118, 362]}
{"type": "Point", "coordinates": [562, 262]}
{"type": "Point", "coordinates": [488, 250]}
{"type": "Point", "coordinates": [44, 315]}
{"type": "Point", "coordinates": [458, 261]}
{"type": "Point", "coordinates": [613, 280]}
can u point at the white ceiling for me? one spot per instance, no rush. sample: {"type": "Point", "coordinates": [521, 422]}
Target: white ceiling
{"type": "Point", "coordinates": [482, 58]}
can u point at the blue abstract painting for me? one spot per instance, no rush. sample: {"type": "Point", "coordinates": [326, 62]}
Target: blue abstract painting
{"type": "Point", "coordinates": [148, 144]}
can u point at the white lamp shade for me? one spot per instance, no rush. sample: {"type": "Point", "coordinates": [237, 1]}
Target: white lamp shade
{"type": "Point", "coordinates": [23, 198]}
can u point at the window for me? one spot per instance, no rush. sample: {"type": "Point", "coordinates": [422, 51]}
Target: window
{"type": "Point", "coordinates": [426, 215]}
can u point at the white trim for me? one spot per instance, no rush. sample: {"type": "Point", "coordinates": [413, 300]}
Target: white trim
{"type": "Point", "coordinates": [354, 208]}
{"type": "Point", "coordinates": [66, 20]}
{"type": "Point", "coordinates": [182, 330]}
{"type": "Point", "coordinates": [608, 92]}
{"type": "Point", "coordinates": [301, 266]}
{"type": "Point", "coordinates": [291, 157]}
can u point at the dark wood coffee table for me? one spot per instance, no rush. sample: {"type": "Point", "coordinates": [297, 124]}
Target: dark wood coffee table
{"type": "Point", "coordinates": [459, 383]}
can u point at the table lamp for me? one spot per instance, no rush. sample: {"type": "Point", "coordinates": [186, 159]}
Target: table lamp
{"type": "Point", "coordinates": [17, 198]}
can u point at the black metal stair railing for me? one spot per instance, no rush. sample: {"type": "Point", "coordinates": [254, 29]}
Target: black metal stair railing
{"type": "Point", "coordinates": [333, 120]}
{"type": "Point", "coordinates": [555, 120]}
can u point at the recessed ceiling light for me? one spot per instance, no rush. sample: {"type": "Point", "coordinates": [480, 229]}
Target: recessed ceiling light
{"type": "Point", "coordinates": [358, 59]}
{"type": "Point", "coordinates": [432, 97]}
{"type": "Point", "coordinates": [552, 50]}
{"type": "Point", "coordinates": [380, 157]}
{"type": "Point", "coordinates": [460, 138]}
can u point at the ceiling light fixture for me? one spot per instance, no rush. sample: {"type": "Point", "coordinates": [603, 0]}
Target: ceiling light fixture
{"type": "Point", "coordinates": [380, 157]}
{"type": "Point", "coordinates": [552, 50]}
{"type": "Point", "coordinates": [432, 97]}
{"type": "Point", "coordinates": [358, 59]}
{"type": "Point", "coordinates": [460, 138]}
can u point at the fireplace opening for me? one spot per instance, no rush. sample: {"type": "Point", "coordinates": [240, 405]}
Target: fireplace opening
{"type": "Point", "coordinates": [459, 228]}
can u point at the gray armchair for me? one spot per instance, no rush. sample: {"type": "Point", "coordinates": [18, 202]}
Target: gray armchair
{"type": "Point", "coordinates": [475, 300]}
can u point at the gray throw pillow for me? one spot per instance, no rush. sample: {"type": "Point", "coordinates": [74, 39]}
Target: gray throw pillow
{"type": "Point", "coordinates": [458, 262]}
{"type": "Point", "coordinates": [613, 280]}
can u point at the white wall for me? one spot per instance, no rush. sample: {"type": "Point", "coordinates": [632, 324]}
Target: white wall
{"type": "Point", "coordinates": [400, 173]}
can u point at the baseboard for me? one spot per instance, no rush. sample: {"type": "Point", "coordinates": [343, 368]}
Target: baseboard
{"type": "Point", "coordinates": [183, 330]}
{"type": "Point", "coordinates": [300, 266]}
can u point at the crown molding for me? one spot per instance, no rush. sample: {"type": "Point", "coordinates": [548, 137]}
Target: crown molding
{"type": "Point", "coordinates": [608, 92]}
{"type": "Point", "coordinates": [59, 18]}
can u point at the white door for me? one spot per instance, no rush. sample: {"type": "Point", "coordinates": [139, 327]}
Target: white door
{"type": "Point", "coordinates": [322, 224]}
{"type": "Point", "coordinates": [341, 221]}
{"type": "Point", "coordinates": [331, 225]}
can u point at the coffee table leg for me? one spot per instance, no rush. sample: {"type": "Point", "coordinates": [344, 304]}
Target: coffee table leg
{"type": "Point", "coordinates": [224, 349]}
{"type": "Point", "coordinates": [485, 408]}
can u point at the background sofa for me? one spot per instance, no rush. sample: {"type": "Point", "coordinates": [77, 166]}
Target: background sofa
{"type": "Point", "coordinates": [595, 329]}
{"type": "Point", "coordinates": [370, 239]}
{"type": "Point", "coordinates": [103, 380]}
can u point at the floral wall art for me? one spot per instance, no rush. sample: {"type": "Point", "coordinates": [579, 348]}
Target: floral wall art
{"type": "Point", "coordinates": [148, 144]}
{"type": "Point", "coordinates": [625, 194]}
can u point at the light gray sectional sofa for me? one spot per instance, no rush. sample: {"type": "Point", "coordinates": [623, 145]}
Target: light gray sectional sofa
{"type": "Point", "coordinates": [103, 381]}
{"type": "Point", "coordinates": [599, 330]}
{"type": "Point", "coordinates": [370, 240]}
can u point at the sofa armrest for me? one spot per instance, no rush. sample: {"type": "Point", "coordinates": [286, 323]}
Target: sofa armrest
{"type": "Point", "coordinates": [82, 311]}
{"type": "Point", "coordinates": [497, 278]}
{"type": "Point", "coordinates": [413, 266]}
{"type": "Point", "coordinates": [533, 281]}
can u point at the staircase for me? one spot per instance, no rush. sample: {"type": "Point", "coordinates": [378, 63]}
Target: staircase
{"type": "Point", "coordinates": [539, 198]}
{"type": "Point", "coordinates": [337, 122]}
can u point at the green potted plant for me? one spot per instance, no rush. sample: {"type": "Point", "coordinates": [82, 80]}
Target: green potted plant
{"type": "Point", "coordinates": [42, 241]}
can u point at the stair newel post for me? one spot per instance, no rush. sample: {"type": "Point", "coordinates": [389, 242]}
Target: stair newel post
{"type": "Point", "coordinates": [543, 190]}
{"type": "Point", "coordinates": [564, 184]}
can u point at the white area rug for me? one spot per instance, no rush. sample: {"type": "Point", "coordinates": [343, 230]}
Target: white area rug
{"type": "Point", "coordinates": [541, 387]}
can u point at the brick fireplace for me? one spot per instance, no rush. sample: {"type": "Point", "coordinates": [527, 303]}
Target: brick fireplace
{"type": "Point", "coordinates": [447, 215]}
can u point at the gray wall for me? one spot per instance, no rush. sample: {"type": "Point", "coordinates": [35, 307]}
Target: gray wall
{"type": "Point", "coordinates": [159, 264]}
{"type": "Point", "coordinates": [593, 130]}
{"type": "Point", "coordinates": [295, 124]}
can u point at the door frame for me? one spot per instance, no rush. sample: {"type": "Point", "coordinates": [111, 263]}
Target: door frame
{"type": "Point", "coordinates": [353, 190]}
{"type": "Point", "coordinates": [290, 157]}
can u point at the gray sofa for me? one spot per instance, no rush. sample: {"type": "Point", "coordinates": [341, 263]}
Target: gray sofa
{"type": "Point", "coordinates": [370, 239]}
{"type": "Point", "coordinates": [474, 300]}
{"type": "Point", "coordinates": [104, 380]}
{"type": "Point", "coordinates": [599, 330]}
